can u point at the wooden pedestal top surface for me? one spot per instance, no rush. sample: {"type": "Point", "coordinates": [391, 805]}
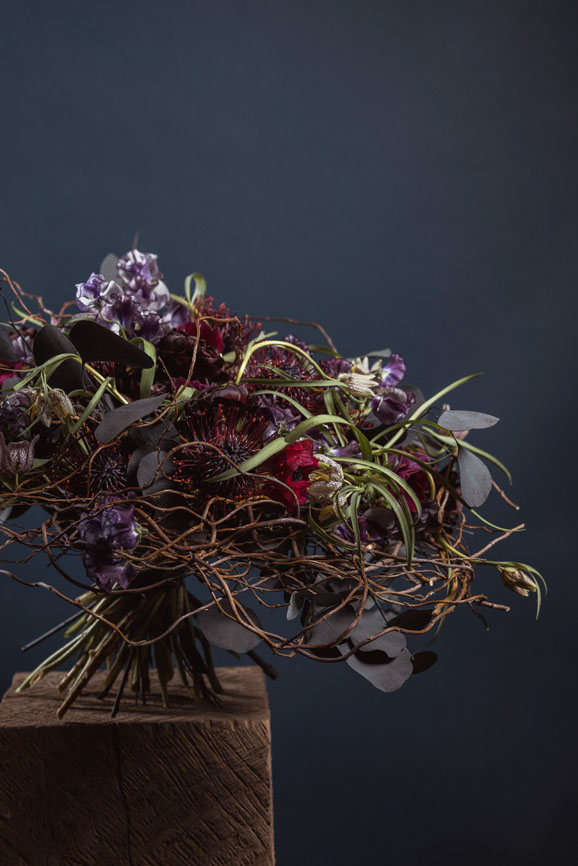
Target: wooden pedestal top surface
{"type": "Point", "coordinates": [244, 700]}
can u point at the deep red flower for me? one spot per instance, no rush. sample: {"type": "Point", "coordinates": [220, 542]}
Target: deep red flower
{"type": "Point", "coordinates": [210, 335]}
{"type": "Point", "coordinates": [292, 466]}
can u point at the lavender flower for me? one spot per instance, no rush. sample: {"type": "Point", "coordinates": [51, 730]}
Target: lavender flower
{"type": "Point", "coordinates": [94, 291]}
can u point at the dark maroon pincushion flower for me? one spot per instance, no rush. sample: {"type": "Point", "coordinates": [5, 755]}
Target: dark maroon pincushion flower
{"type": "Point", "coordinates": [222, 433]}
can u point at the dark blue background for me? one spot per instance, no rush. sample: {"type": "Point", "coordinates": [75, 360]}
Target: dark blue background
{"type": "Point", "coordinates": [406, 173]}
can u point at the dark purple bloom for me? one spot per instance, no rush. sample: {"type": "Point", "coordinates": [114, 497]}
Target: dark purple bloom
{"type": "Point", "coordinates": [176, 314]}
{"type": "Point", "coordinates": [352, 450]}
{"type": "Point", "coordinates": [13, 417]}
{"type": "Point", "coordinates": [367, 531]}
{"type": "Point", "coordinates": [123, 310]}
{"type": "Point", "coordinates": [107, 570]}
{"type": "Point", "coordinates": [334, 366]}
{"type": "Point", "coordinates": [392, 405]}
{"type": "Point", "coordinates": [111, 525]}
{"type": "Point", "coordinates": [393, 372]}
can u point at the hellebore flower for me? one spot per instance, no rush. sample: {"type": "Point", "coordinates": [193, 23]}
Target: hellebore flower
{"type": "Point", "coordinates": [292, 466]}
{"type": "Point", "coordinates": [517, 580]}
{"type": "Point", "coordinates": [111, 525]}
{"type": "Point", "coordinates": [16, 457]}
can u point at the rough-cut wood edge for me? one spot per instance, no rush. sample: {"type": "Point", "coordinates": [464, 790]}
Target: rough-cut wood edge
{"type": "Point", "coordinates": [236, 732]}
{"type": "Point", "coordinates": [244, 699]}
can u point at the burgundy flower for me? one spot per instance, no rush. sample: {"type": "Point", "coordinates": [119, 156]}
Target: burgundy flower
{"type": "Point", "coordinates": [415, 476]}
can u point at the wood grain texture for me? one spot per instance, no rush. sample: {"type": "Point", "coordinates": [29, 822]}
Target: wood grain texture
{"type": "Point", "coordinates": [187, 786]}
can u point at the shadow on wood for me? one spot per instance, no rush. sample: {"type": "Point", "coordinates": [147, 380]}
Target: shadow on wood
{"type": "Point", "coordinates": [187, 786]}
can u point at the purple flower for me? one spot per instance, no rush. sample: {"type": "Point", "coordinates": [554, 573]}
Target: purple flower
{"type": "Point", "coordinates": [393, 372]}
{"type": "Point", "coordinates": [13, 417]}
{"type": "Point", "coordinates": [123, 310]}
{"type": "Point", "coordinates": [97, 288]}
{"type": "Point", "coordinates": [111, 525]}
{"type": "Point", "coordinates": [334, 366]}
{"type": "Point", "coordinates": [142, 278]}
{"type": "Point", "coordinates": [176, 314]}
{"type": "Point", "coordinates": [392, 405]}
{"type": "Point", "coordinates": [352, 450]}
{"type": "Point", "coordinates": [107, 570]}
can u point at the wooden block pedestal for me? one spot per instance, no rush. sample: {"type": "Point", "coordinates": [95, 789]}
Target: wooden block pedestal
{"type": "Point", "coordinates": [187, 786]}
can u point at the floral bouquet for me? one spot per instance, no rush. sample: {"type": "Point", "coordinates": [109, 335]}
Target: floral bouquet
{"type": "Point", "coordinates": [201, 466]}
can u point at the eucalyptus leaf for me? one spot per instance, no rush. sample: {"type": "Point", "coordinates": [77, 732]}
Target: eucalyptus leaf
{"type": "Point", "coordinates": [108, 267]}
{"type": "Point", "coordinates": [332, 628]}
{"type": "Point", "coordinates": [93, 342]}
{"type": "Point", "coordinates": [387, 677]}
{"type": "Point", "coordinates": [149, 467]}
{"type": "Point", "coordinates": [460, 419]}
{"type": "Point", "coordinates": [475, 478]}
{"type": "Point", "coordinates": [225, 633]}
{"type": "Point", "coordinates": [122, 417]}
{"type": "Point", "coordinates": [413, 620]}
{"type": "Point", "coordinates": [423, 661]}
{"type": "Point", "coordinates": [295, 605]}
{"type": "Point", "coordinates": [5, 514]}
{"type": "Point", "coordinates": [372, 622]}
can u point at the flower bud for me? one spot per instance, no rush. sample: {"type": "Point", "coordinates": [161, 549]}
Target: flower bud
{"type": "Point", "coordinates": [60, 403]}
{"type": "Point", "coordinates": [359, 384]}
{"type": "Point", "coordinates": [517, 580]}
{"type": "Point", "coordinates": [16, 457]}
{"type": "Point", "coordinates": [325, 480]}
